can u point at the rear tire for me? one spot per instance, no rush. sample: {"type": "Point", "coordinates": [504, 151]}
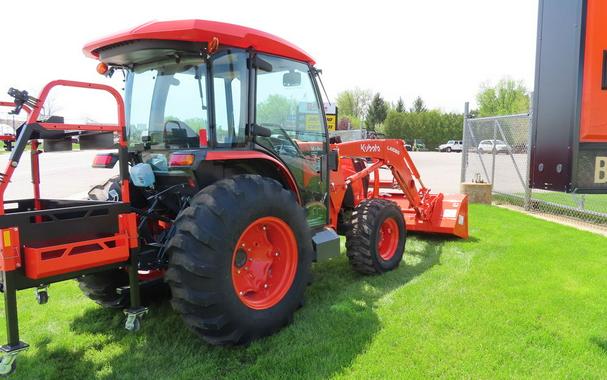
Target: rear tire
{"type": "Point", "coordinates": [208, 259]}
{"type": "Point", "coordinates": [376, 242]}
{"type": "Point", "coordinates": [101, 288]}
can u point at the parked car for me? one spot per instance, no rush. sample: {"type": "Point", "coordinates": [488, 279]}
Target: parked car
{"type": "Point", "coordinates": [486, 146]}
{"type": "Point", "coordinates": [418, 145]}
{"type": "Point", "coordinates": [408, 147]}
{"type": "Point", "coordinates": [451, 146]}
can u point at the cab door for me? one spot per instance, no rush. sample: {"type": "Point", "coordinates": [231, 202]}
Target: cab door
{"type": "Point", "coordinates": [288, 104]}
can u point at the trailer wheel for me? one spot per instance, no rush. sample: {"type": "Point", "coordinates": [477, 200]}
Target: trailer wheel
{"type": "Point", "coordinates": [376, 242]}
{"type": "Point", "coordinates": [240, 260]}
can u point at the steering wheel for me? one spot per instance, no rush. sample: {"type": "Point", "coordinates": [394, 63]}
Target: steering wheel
{"type": "Point", "coordinates": [285, 144]}
{"type": "Point", "coordinates": [180, 138]}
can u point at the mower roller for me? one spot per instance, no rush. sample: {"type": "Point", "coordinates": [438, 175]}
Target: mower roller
{"type": "Point", "coordinates": [229, 187]}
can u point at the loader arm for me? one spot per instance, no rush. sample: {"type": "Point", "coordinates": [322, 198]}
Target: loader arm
{"type": "Point", "coordinates": [424, 211]}
{"type": "Point", "coordinates": [391, 153]}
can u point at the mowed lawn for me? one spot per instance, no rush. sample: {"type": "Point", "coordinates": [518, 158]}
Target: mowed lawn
{"type": "Point", "coordinates": [522, 298]}
{"type": "Point", "coordinates": [592, 202]}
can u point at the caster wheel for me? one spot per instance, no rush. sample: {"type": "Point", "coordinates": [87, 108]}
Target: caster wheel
{"type": "Point", "coordinates": [7, 370]}
{"type": "Point", "coordinates": [42, 298]}
{"type": "Point", "coordinates": [133, 324]}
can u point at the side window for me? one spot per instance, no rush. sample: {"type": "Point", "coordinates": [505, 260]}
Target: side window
{"type": "Point", "coordinates": [288, 106]}
{"type": "Point", "coordinates": [230, 86]}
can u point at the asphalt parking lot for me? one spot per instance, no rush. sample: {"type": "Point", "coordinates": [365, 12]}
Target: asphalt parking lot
{"type": "Point", "coordinates": [70, 175]}
{"type": "Point", "coordinates": [62, 175]}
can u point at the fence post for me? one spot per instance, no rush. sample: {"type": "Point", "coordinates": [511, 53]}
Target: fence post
{"type": "Point", "coordinates": [465, 144]}
{"type": "Point", "coordinates": [493, 153]}
{"type": "Point", "coordinates": [527, 201]}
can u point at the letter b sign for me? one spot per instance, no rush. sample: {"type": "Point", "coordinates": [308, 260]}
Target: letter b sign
{"type": "Point", "coordinates": [600, 170]}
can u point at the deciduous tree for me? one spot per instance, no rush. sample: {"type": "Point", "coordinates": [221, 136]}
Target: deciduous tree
{"type": "Point", "coordinates": [506, 98]}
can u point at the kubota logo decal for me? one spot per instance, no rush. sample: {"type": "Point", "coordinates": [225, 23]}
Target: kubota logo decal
{"type": "Point", "coordinates": [368, 148]}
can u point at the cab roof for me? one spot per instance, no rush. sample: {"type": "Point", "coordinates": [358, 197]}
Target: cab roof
{"type": "Point", "coordinates": [203, 31]}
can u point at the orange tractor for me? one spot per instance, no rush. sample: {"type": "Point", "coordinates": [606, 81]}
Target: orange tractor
{"type": "Point", "coordinates": [229, 187]}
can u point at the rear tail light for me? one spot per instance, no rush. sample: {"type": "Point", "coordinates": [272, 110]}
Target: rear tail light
{"type": "Point", "coordinates": [181, 160]}
{"type": "Point", "coordinates": [105, 160]}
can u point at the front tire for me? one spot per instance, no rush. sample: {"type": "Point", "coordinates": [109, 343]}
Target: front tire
{"type": "Point", "coordinates": [240, 260]}
{"type": "Point", "coordinates": [376, 242]}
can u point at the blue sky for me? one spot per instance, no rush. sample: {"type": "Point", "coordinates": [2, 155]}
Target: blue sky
{"type": "Point", "coordinates": [440, 49]}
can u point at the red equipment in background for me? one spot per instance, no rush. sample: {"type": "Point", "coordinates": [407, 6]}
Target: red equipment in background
{"type": "Point", "coordinates": [9, 138]}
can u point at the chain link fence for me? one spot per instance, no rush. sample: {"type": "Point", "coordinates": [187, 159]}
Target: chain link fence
{"type": "Point", "coordinates": [497, 151]}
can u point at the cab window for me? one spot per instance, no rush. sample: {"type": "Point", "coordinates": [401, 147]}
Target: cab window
{"type": "Point", "coordinates": [287, 104]}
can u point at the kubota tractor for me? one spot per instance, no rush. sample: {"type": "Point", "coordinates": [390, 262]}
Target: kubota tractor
{"type": "Point", "coordinates": [229, 187]}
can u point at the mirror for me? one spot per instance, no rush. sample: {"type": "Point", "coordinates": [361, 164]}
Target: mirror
{"type": "Point", "coordinates": [291, 79]}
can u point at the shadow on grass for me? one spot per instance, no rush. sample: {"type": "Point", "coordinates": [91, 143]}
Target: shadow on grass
{"type": "Point", "coordinates": [54, 363]}
{"type": "Point", "coordinates": [337, 324]}
{"type": "Point", "coordinates": [599, 342]}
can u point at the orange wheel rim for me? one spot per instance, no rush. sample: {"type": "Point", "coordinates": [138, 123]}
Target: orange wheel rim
{"type": "Point", "coordinates": [387, 239]}
{"type": "Point", "coordinates": [264, 263]}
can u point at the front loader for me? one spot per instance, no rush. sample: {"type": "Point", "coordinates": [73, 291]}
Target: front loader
{"type": "Point", "coordinates": [229, 187]}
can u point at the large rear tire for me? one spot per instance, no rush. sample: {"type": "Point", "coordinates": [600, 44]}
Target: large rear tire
{"type": "Point", "coordinates": [376, 242]}
{"type": "Point", "coordinates": [240, 260]}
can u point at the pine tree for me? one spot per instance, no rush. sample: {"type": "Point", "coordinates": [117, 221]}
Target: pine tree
{"type": "Point", "coordinates": [378, 111]}
{"type": "Point", "coordinates": [400, 106]}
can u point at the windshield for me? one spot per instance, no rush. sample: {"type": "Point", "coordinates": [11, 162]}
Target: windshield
{"type": "Point", "coordinates": [168, 104]}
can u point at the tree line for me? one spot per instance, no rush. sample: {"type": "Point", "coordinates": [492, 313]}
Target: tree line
{"type": "Point", "coordinates": [360, 108]}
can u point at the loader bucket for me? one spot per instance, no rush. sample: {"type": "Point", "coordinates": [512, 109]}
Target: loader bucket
{"type": "Point", "coordinates": [449, 216]}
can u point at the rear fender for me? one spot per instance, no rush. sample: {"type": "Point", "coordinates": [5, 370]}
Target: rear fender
{"type": "Point", "coordinates": [254, 162]}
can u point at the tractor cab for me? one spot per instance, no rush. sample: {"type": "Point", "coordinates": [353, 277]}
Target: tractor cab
{"type": "Point", "coordinates": [186, 99]}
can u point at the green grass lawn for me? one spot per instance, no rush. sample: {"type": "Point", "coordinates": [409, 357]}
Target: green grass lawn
{"type": "Point", "coordinates": [521, 298]}
{"type": "Point", "coordinates": [592, 202]}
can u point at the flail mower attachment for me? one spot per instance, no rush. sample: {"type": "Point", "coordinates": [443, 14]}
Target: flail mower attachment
{"type": "Point", "coordinates": [423, 211]}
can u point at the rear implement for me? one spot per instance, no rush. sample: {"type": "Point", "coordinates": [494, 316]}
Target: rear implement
{"type": "Point", "coordinates": [46, 240]}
